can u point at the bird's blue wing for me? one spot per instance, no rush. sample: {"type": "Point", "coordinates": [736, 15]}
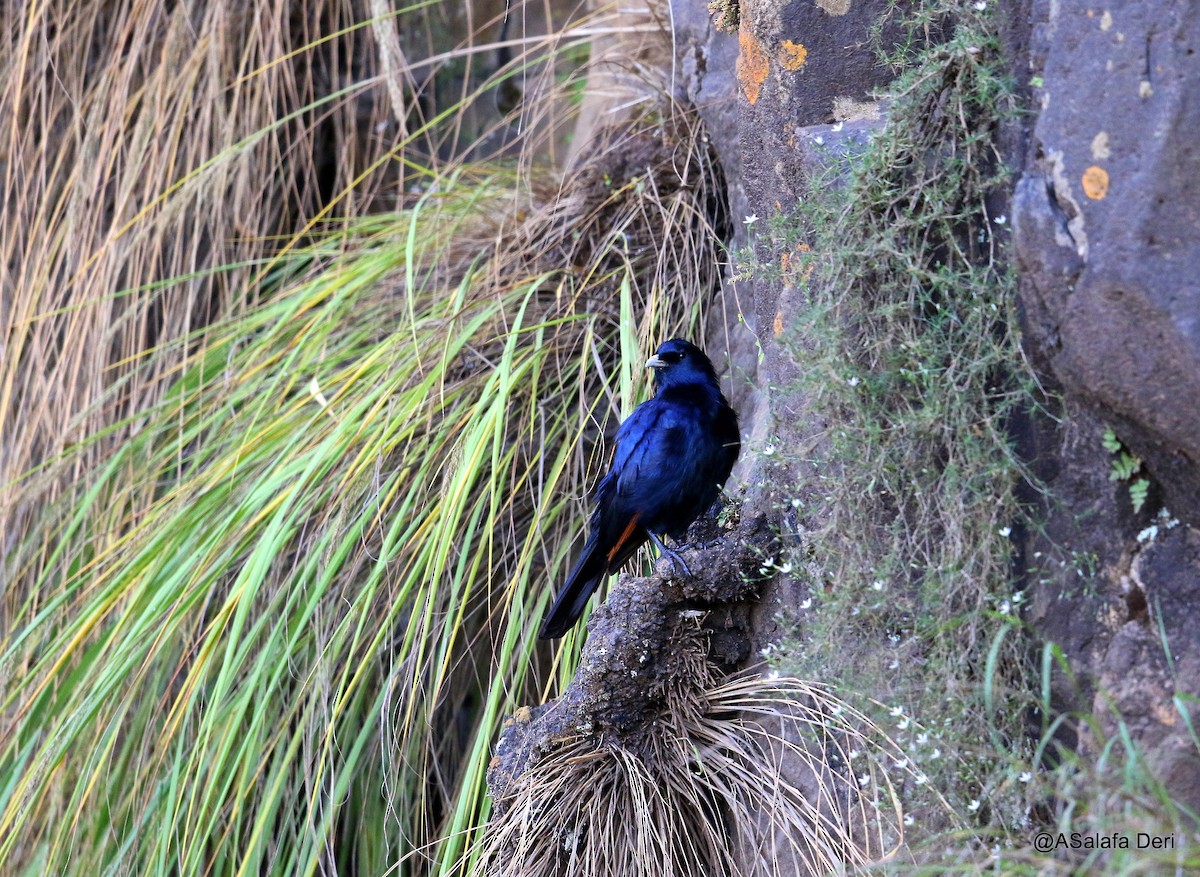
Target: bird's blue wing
{"type": "Point", "coordinates": [653, 462]}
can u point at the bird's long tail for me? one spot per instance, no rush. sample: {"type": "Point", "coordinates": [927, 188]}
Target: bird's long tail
{"type": "Point", "coordinates": [581, 584]}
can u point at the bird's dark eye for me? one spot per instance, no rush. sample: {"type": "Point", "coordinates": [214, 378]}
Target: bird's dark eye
{"type": "Point", "coordinates": [673, 356]}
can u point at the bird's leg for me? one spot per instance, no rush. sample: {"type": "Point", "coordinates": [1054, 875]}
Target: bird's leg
{"type": "Point", "coordinates": [676, 559]}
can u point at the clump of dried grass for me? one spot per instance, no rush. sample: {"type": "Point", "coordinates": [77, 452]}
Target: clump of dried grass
{"type": "Point", "coordinates": [153, 152]}
{"type": "Point", "coordinates": [749, 777]}
{"type": "Point", "coordinates": [158, 158]}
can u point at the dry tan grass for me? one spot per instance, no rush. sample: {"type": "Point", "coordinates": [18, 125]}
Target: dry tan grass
{"type": "Point", "coordinates": [148, 160]}
{"type": "Point", "coordinates": [737, 778]}
{"type": "Point", "coordinates": [155, 157]}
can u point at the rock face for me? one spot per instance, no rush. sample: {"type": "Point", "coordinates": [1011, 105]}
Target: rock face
{"type": "Point", "coordinates": [1107, 245]}
{"type": "Point", "coordinates": [784, 92]}
{"type": "Point", "coordinates": [1107, 221]}
{"type": "Point", "coordinates": [1152, 664]}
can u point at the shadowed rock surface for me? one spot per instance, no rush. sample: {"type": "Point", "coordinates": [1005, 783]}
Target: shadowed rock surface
{"type": "Point", "coordinates": [1107, 221]}
{"type": "Point", "coordinates": [1107, 247]}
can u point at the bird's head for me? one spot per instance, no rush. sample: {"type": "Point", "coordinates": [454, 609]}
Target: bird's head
{"type": "Point", "coordinates": [679, 362]}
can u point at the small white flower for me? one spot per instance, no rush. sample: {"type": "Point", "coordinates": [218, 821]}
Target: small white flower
{"type": "Point", "coordinates": [920, 779]}
{"type": "Point", "coordinates": [786, 568]}
{"type": "Point", "coordinates": [935, 754]}
{"type": "Point", "coordinates": [807, 604]}
{"type": "Point", "coordinates": [1018, 597]}
{"type": "Point", "coordinates": [1149, 534]}
{"type": "Point", "coordinates": [1025, 777]}
{"type": "Point", "coordinates": [895, 665]}
{"type": "Point", "coordinates": [980, 5]}
{"type": "Point", "coordinates": [818, 140]}
{"type": "Point", "coordinates": [1005, 531]}
{"type": "Point", "coordinates": [974, 805]}
{"type": "Point", "coordinates": [1005, 608]}
{"type": "Point", "coordinates": [902, 725]}
{"type": "Point", "coordinates": [854, 381]}
{"type": "Point", "coordinates": [751, 219]}
{"type": "Point", "coordinates": [922, 738]}
{"type": "Point", "coordinates": [769, 451]}
{"type": "Point", "coordinates": [877, 585]}
{"type": "Point", "coordinates": [864, 779]}
{"type": "Point", "coordinates": [1001, 219]}
{"type": "Point", "coordinates": [901, 764]}
{"type": "Point", "coordinates": [896, 712]}
{"type": "Point", "coordinates": [908, 820]}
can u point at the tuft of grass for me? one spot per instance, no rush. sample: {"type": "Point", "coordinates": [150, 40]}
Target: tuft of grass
{"type": "Point", "coordinates": [361, 487]}
{"type": "Point", "coordinates": [744, 776]}
{"type": "Point", "coordinates": [150, 154]}
{"type": "Point", "coordinates": [159, 158]}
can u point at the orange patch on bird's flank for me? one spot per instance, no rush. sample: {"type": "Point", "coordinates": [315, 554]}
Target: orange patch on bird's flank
{"type": "Point", "coordinates": [792, 55]}
{"type": "Point", "coordinates": [752, 64]}
{"type": "Point", "coordinates": [1095, 182]}
{"type": "Point", "coordinates": [629, 528]}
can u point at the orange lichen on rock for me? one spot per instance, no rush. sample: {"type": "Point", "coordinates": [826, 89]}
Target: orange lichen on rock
{"type": "Point", "coordinates": [794, 267]}
{"type": "Point", "coordinates": [792, 55]}
{"type": "Point", "coordinates": [752, 63]}
{"type": "Point", "coordinates": [1095, 182]}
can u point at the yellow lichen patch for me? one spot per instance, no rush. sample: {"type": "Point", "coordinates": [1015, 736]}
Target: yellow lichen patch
{"type": "Point", "coordinates": [752, 63]}
{"type": "Point", "coordinates": [1166, 715]}
{"type": "Point", "coordinates": [778, 327]}
{"type": "Point", "coordinates": [792, 55]}
{"type": "Point", "coordinates": [847, 109]}
{"type": "Point", "coordinates": [794, 267]}
{"type": "Point", "coordinates": [727, 15]}
{"type": "Point", "coordinates": [835, 7]}
{"type": "Point", "coordinates": [1095, 182]}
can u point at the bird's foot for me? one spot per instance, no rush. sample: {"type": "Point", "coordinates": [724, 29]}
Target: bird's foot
{"type": "Point", "coordinates": [675, 557]}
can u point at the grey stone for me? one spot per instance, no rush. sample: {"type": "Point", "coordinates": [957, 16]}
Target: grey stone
{"type": "Point", "coordinates": [1107, 226]}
